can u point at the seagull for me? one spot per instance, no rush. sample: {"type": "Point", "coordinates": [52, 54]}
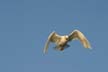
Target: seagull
{"type": "Point", "coordinates": [61, 41]}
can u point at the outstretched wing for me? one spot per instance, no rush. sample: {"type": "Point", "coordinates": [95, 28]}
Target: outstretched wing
{"type": "Point", "coordinates": [76, 34]}
{"type": "Point", "coordinates": [53, 37]}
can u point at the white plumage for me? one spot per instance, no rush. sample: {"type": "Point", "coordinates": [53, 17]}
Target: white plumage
{"type": "Point", "coordinates": [61, 41]}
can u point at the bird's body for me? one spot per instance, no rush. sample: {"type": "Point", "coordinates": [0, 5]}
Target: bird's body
{"type": "Point", "coordinates": [61, 41]}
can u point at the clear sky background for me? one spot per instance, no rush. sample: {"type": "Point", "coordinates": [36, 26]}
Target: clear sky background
{"type": "Point", "coordinates": [26, 24]}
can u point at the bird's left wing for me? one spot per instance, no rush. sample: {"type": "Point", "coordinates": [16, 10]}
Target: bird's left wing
{"type": "Point", "coordinates": [76, 34]}
{"type": "Point", "coordinates": [53, 37]}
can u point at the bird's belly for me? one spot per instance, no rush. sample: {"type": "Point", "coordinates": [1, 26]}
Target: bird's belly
{"type": "Point", "coordinates": [62, 47]}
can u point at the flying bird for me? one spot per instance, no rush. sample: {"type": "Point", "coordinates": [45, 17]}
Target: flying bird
{"type": "Point", "coordinates": [61, 41]}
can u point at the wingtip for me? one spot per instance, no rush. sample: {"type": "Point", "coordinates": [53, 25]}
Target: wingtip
{"type": "Point", "coordinates": [45, 52]}
{"type": "Point", "coordinates": [89, 47]}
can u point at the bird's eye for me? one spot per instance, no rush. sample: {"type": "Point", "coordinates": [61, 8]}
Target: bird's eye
{"type": "Point", "coordinates": [66, 37]}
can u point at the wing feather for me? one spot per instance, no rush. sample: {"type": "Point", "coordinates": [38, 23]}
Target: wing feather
{"type": "Point", "coordinates": [53, 37]}
{"type": "Point", "coordinates": [76, 34]}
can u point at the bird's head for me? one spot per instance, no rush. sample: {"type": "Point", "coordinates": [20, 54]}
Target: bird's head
{"type": "Point", "coordinates": [66, 37]}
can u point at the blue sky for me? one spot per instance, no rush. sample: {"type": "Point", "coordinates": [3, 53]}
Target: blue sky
{"type": "Point", "coordinates": [26, 24]}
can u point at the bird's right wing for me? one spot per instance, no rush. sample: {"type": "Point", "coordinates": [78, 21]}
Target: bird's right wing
{"type": "Point", "coordinates": [76, 34]}
{"type": "Point", "coordinates": [53, 37]}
